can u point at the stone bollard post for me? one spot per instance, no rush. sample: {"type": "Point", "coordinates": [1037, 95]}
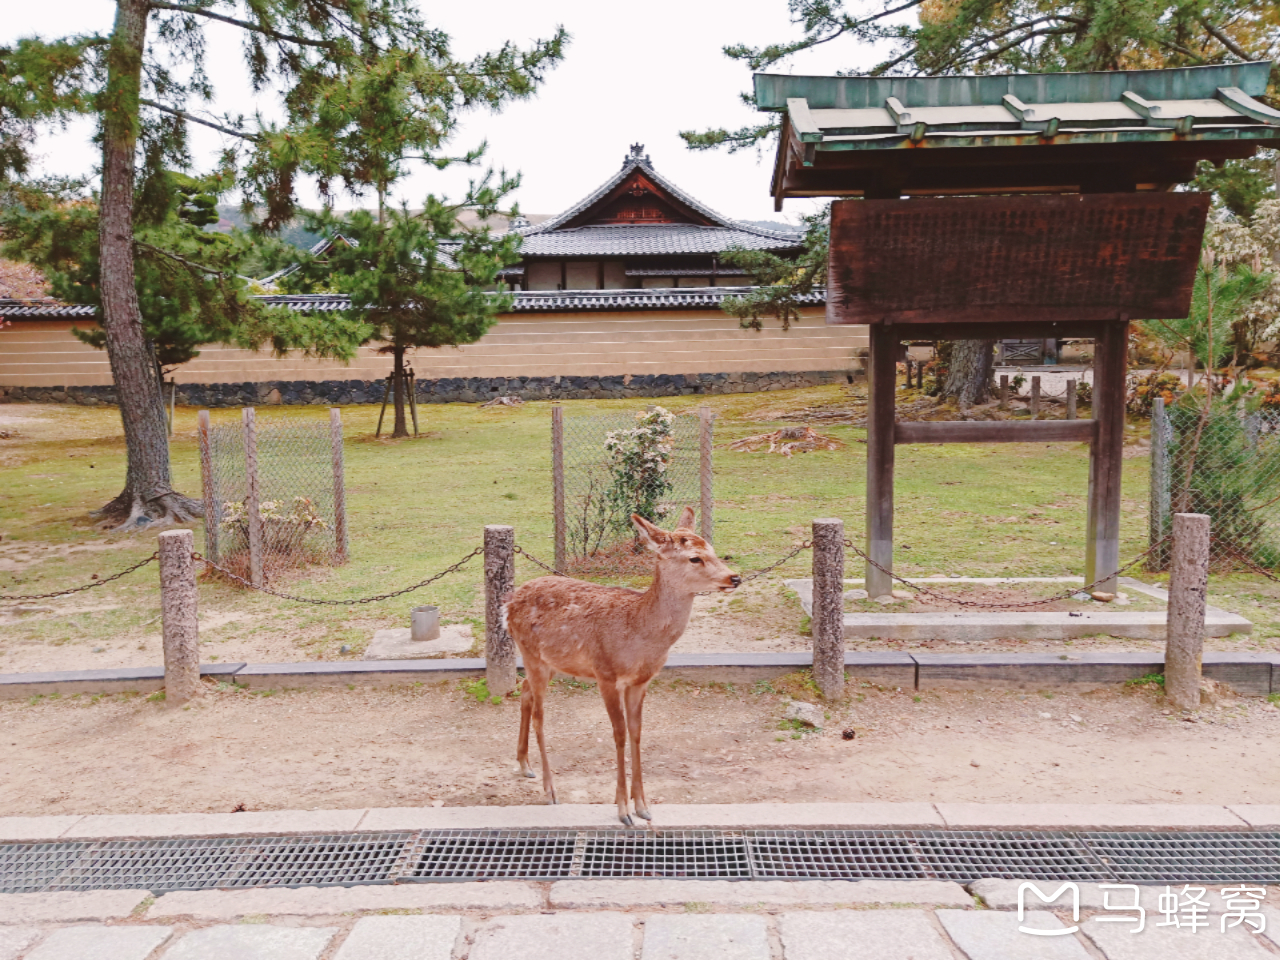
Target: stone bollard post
{"type": "Point", "coordinates": [1188, 589]}
{"type": "Point", "coordinates": [499, 582]}
{"type": "Point", "coordinates": [178, 614]}
{"type": "Point", "coordinates": [827, 621]}
{"type": "Point", "coordinates": [1071, 399]}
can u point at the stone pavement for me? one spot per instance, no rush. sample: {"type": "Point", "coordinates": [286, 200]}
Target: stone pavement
{"type": "Point", "coordinates": [643, 920]}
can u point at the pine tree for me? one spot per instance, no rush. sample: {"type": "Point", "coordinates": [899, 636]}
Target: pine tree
{"type": "Point", "coordinates": [416, 279]}
{"type": "Point", "coordinates": [1027, 36]}
{"type": "Point", "coordinates": [147, 81]}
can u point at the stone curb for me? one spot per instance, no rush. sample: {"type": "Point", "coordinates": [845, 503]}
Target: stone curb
{"type": "Point", "coordinates": [69, 906]}
{"type": "Point", "coordinates": [624, 894]}
{"type": "Point", "coordinates": [836, 816]}
{"type": "Point", "coordinates": [328, 901]}
{"type": "Point", "coordinates": [1250, 674]}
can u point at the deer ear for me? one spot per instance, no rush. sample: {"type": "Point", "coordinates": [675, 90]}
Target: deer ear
{"type": "Point", "coordinates": [652, 537]}
{"type": "Point", "coordinates": [686, 519]}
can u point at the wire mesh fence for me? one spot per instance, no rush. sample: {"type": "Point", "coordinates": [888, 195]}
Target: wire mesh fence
{"type": "Point", "coordinates": [608, 466]}
{"type": "Point", "coordinates": [273, 494]}
{"type": "Point", "coordinates": [1225, 465]}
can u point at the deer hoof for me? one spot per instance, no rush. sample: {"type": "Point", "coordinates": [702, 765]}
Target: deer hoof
{"type": "Point", "coordinates": [643, 811]}
{"type": "Point", "coordinates": [528, 773]}
{"type": "Point", "coordinates": [626, 820]}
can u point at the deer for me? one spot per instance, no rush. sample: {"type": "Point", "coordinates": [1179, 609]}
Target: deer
{"type": "Point", "coordinates": [616, 636]}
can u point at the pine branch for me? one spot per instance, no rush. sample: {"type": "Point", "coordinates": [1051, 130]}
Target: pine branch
{"type": "Point", "coordinates": [1234, 48]}
{"type": "Point", "coordinates": [243, 25]}
{"type": "Point", "coordinates": [209, 271]}
{"type": "Point", "coordinates": [173, 111]}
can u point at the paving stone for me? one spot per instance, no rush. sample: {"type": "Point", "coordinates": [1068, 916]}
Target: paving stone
{"type": "Point", "coordinates": [401, 938]}
{"type": "Point", "coordinates": [69, 906]}
{"type": "Point", "coordinates": [623, 894]}
{"type": "Point", "coordinates": [1272, 930]}
{"type": "Point", "coordinates": [13, 940]}
{"type": "Point", "coordinates": [870, 934]}
{"type": "Point", "coordinates": [1117, 941]}
{"type": "Point", "coordinates": [994, 935]}
{"type": "Point", "coordinates": [252, 942]}
{"type": "Point", "coordinates": [330, 901]}
{"type": "Point", "coordinates": [265, 822]}
{"type": "Point", "coordinates": [100, 943]}
{"type": "Point", "coordinates": [724, 936]}
{"type": "Point", "coordinates": [561, 936]}
{"type": "Point", "coordinates": [1080, 816]}
{"type": "Point", "coordinates": [397, 643]}
{"type": "Point", "coordinates": [19, 829]}
{"type": "Point", "coordinates": [1263, 816]}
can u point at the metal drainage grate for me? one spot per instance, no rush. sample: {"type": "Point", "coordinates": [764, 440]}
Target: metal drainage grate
{"type": "Point", "coordinates": [704, 854]}
{"type": "Point", "coordinates": [444, 855]}
{"type": "Point", "coordinates": [498, 855]}
{"type": "Point", "coordinates": [833, 855]}
{"type": "Point", "coordinates": [1189, 857]}
{"type": "Point", "coordinates": [32, 867]}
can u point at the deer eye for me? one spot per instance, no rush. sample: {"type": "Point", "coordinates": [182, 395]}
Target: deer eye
{"type": "Point", "coordinates": [695, 559]}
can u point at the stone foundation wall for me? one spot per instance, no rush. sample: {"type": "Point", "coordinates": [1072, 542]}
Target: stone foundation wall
{"type": "Point", "coordinates": [452, 390]}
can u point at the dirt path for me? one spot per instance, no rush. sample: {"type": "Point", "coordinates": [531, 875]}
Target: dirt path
{"type": "Point", "coordinates": [335, 749]}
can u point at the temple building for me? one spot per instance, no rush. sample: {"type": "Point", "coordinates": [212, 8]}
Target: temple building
{"type": "Point", "coordinates": [618, 295]}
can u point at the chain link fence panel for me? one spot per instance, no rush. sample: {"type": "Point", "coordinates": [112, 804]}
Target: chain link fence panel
{"type": "Point", "coordinates": [297, 466]}
{"type": "Point", "coordinates": [1225, 465]}
{"type": "Point", "coordinates": [617, 464]}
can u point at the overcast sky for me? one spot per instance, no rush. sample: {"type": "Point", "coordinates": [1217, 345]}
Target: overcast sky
{"type": "Point", "coordinates": [633, 73]}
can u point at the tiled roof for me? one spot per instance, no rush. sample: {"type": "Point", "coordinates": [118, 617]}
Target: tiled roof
{"type": "Point", "coordinates": [528, 301]}
{"type": "Point", "coordinates": [43, 309]}
{"type": "Point", "coordinates": [623, 240]}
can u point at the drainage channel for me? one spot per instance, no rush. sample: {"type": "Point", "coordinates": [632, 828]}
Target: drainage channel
{"type": "Point", "coordinates": [457, 855]}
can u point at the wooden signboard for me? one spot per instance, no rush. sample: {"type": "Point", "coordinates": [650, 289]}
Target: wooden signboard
{"type": "Point", "coordinates": [1033, 259]}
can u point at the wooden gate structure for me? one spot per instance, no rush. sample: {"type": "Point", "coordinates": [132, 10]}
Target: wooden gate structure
{"type": "Point", "coordinates": [1017, 206]}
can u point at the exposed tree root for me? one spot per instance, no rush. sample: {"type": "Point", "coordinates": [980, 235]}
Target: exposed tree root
{"type": "Point", "coordinates": [788, 440]}
{"type": "Point", "coordinates": [130, 511]}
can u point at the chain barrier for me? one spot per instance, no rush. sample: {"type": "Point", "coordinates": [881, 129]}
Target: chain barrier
{"type": "Point", "coordinates": [1230, 548]}
{"type": "Point", "coordinates": [340, 603]}
{"type": "Point", "coordinates": [88, 586]}
{"type": "Point", "coordinates": [774, 566]}
{"type": "Point", "coordinates": [1087, 588]}
{"type": "Point", "coordinates": [538, 563]}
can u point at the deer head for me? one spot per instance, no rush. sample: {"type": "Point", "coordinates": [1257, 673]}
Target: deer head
{"type": "Point", "coordinates": [687, 562]}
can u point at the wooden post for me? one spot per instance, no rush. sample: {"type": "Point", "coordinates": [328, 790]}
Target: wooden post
{"type": "Point", "coordinates": [207, 486]}
{"type": "Point", "coordinates": [1102, 547]}
{"type": "Point", "coordinates": [386, 395]}
{"type": "Point", "coordinates": [557, 482]}
{"type": "Point", "coordinates": [179, 626]}
{"type": "Point", "coordinates": [920, 375]}
{"type": "Point", "coordinates": [1035, 398]}
{"type": "Point", "coordinates": [882, 374]}
{"type": "Point", "coordinates": [706, 423]}
{"type": "Point", "coordinates": [413, 399]}
{"type": "Point", "coordinates": [1004, 391]}
{"type": "Point", "coordinates": [1071, 399]}
{"type": "Point", "coordinates": [828, 607]}
{"type": "Point", "coordinates": [251, 496]}
{"type": "Point", "coordinates": [173, 403]}
{"type": "Point", "coordinates": [1188, 588]}
{"type": "Point", "coordinates": [340, 541]}
{"type": "Point", "coordinates": [499, 581]}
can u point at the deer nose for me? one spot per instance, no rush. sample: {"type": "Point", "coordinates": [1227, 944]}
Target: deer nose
{"type": "Point", "coordinates": [736, 580]}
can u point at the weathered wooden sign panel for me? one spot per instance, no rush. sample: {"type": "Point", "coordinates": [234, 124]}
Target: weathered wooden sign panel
{"type": "Point", "coordinates": [1032, 258]}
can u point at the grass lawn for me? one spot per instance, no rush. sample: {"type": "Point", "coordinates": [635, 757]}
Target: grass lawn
{"type": "Point", "coordinates": [416, 506]}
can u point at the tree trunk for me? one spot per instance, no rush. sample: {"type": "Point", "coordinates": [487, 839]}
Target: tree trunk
{"type": "Point", "coordinates": [969, 376]}
{"type": "Point", "coordinates": [148, 495]}
{"type": "Point", "coordinates": [402, 428]}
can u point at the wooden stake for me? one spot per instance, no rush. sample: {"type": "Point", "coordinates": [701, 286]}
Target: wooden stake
{"type": "Point", "coordinates": [1004, 391]}
{"type": "Point", "coordinates": [173, 403]}
{"type": "Point", "coordinates": [557, 482]}
{"type": "Point", "coordinates": [413, 399]}
{"type": "Point", "coordinates": [386, 395]}
{"type": "Point", "coordinates": [212, 515]}
{"type": "Point", "coordinates": [1188, 590]}
{"type": "Point", "coordinates": [706, 423]}
{"type": "Point", "coordinates": [1106, 462]}
{"type": "Point", "coordinates": [828, 607]}
{"type": "Point", "coordinates": [1035, 398]}
{"type": "Point", "coordinates": [340, 542]}
{"type": "Point", "coordinates": [1071, 399]}
{"type": "Point", "coordinates": [179, 626]}
{"type": "Point", "coordinates": [499, 581]}
{"type": "Point", "coordinates": [251, 496]}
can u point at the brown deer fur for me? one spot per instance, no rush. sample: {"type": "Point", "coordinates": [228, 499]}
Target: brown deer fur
{"type": "Point", "coordinates": [616, 636]}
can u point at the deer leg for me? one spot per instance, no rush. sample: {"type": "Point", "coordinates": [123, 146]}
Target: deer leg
{"type": "Point", "coordinates": [526, 713]}
{"type": "Point", "coordinates": [539, 689]}
{"type": "Point", "coordinates": [613, 704]}
{"type": "Point", "coordinates": [634, 698]}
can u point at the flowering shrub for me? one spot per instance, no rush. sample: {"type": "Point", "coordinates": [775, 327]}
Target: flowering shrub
{"type": "Point", "coordinates": [638, 461]}
{"type": "Point", "coordinates": [1144, 390]}
{"type": "Point", "coordinates": [285, 534]}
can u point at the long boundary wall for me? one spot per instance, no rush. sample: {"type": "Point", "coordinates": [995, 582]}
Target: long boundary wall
{"type": "Point", "coordinates": [640, 353]}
